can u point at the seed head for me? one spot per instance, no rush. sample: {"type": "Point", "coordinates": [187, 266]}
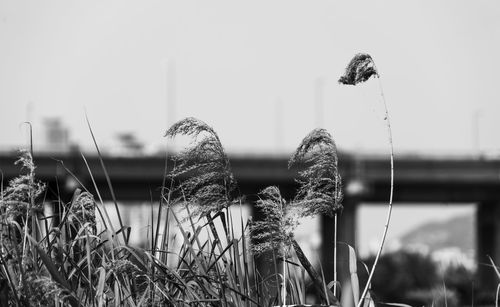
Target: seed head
{"type": "Point", "coordinates": [360, 69]}
{"type": "Point", "coordinates": [276, 228]}
{"type": "Point", "coordinates": [203, 169]}
{"type": "Point", "coordinates": [320, 190]}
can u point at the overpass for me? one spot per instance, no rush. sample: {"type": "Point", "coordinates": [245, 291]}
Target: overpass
{"type": "Point", "coordinates": [366, 179]}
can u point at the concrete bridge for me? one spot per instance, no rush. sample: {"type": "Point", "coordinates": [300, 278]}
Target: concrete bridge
{"type": "Point", "coordinates": [366, 179]}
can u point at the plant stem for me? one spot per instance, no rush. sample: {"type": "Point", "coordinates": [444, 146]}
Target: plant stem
{"type": "Point", "coordinates": [335, 256]}
{"type": "Point", "coordinates": [389, 210]}
{"type": "Point", "coordinates": [315, 278]}
{"type": "Point", "coordinates": [284, 277]}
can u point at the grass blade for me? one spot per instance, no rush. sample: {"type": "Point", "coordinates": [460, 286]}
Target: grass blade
{"type": "Point", "coordinates": [354, 274]}
{"type": "Point", "coordinates": [494, 267]}
{"type": "Point", "coordinates": [108, 180]}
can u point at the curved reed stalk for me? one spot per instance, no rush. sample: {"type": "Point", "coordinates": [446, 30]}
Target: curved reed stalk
{"type": "Point", "coordinates": [360, 69]}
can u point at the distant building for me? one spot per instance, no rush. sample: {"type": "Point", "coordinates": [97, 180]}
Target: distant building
{"type": "Point", "coordinates": [128, 145]}
{"type": "Point", "coordinates": [56, 135]}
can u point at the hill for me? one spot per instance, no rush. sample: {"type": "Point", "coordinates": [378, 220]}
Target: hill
{"type": "Point", "coordinates": [457, 232]}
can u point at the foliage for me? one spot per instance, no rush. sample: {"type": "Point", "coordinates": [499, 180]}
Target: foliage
{"type": "Point", "coordinates": [461, 280]}
{"type": "Point", "coordinates": [401, 272]}
{"type": "Point", "coordinates": [76, 258]}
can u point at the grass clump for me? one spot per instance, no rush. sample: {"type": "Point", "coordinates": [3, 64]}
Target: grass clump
{"type": "Point", "coordinates": [76, 258]}
{"type": "Point", "coordinates": [20, 208]}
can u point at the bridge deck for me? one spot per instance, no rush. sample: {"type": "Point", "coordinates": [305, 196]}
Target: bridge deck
{"type": "Point", "coordinates": [416, 179]}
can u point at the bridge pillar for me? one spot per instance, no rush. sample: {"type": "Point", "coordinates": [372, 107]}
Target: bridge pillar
{"type": "Point", "coordinates": [487, 244]}
{"type": "Point", "coordinates": [346, 234]}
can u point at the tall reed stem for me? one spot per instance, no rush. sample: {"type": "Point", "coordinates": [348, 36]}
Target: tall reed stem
{"type": "Point", "coordinates": [389, 210]}
{"type": "Point", "coordinates": [335, 256]}
{"type": "Point", "coordinates": [283, 289]}
{"type": "Point", "coordinates": [316, 279]}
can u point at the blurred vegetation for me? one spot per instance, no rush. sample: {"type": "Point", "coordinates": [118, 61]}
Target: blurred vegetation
{"type": "Point", "coordinates": [413, 278]}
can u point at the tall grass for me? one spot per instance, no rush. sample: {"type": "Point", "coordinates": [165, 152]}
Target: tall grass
{"type": "Point", "coordinates": [77, 256]}
{"type": "Point", "coordinates": [82, 261]}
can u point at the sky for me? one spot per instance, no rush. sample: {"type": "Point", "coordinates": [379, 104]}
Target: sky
{"type": "Point", "coordinates": [262, 73]}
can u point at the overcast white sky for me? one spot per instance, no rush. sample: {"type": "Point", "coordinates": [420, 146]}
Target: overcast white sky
{"type": "Point", "coordinates": [250, 70]}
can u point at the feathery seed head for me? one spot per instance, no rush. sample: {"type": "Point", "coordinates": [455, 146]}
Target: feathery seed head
{"type": "Point", "coordinates": [318, 139]}
{"type": "Point", "coordinates": [21, 192]}
{"type": "Point", "coordinates": [320, 183]}
{"type": "Point", "coordinates": [190, 126]}
{"type": "Point", "coordinates": [26, 160]}
{"type": "Point", "coordinates": [207, 180]}
{"type": "Point", "coordinates": [43, 290]}
{"type": "Point", "coordinates": [360, 69]}
{"type": "Point", "coordinates": [83, 210]}
{"type": "Point", "coordinates": [279, 221]}
{"type": "Point", "coordinates": [121, 266]}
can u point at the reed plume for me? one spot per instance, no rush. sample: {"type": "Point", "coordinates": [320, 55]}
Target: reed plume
{"type": "Point", "coordinates": [275, 231]}
{"type": "Point", "coordinates": [276, 228]}
{"type": "Point", "coordinates": [320, 184]}
{"type": "Point", "coordinates": [360, 69]}
{"type": "Point", "coordinates": [18, 198]}
{"type": "Point", "coordinates": [83, 211]}
{"type": "Point", "coordinates": [203, 169]}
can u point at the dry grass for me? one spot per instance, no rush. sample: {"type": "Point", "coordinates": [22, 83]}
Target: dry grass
{"type": "Point", "coordinates": [77, 257]}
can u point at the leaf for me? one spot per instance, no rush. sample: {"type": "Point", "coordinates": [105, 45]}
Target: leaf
{"type": "Point", "coordinates": [49, 264]}
{"type": "Point", "coordinates": [56, 275]}
{"type": "Point", "coordinates": [368, 301]}
{"type": "Point", "coordinates": [354, 274]}
{"type": "Point", "coordinates": [100, 287]}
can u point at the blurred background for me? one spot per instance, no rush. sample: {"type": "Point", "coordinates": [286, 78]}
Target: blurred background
{"type": "Point", "coordinates": [263, 74]}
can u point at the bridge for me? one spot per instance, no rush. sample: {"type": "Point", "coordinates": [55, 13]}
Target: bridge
{"type": "Point", "coordinates": [366, 180]}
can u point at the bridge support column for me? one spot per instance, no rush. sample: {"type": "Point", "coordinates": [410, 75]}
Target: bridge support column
{"type": "Point", "coordinates": [346, 233]}
{"type": "Point", "coordinates": [487, 244]}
